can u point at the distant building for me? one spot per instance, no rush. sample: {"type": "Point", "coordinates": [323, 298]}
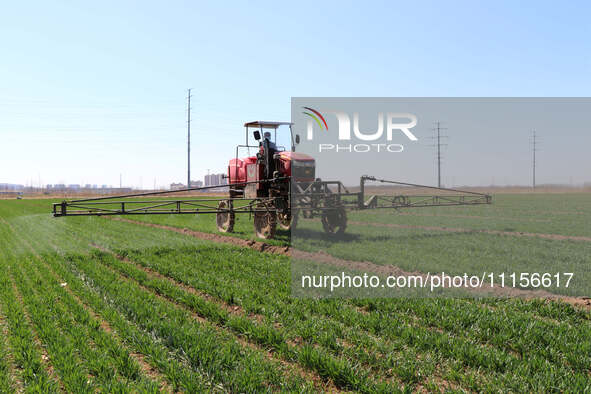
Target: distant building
{"type": "Point", "coordinates": [11, 187]}
{"type": "Point", "coordinates": [196, 184]}
{"type": "Point", "coordinates": [215, 180]}
{"type": "Point", "coordinates": [177, 186]}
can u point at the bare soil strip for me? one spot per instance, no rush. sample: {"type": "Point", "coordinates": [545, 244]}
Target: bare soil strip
{"type": "Point", "coordinates": [256, 245]}
{"type": "Point", "coordinates": [366, 266]}
{"type": "Point", "coordinates": [556, 237]}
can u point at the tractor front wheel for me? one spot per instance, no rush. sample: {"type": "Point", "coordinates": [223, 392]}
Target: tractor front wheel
{"type": "Point", "coordinates": [284, 220]}
{"type": "Point", "coordinates": [265, 221]}
{"type": "Point", "coordinates": [225, 217]}
{"type": "Point", "coordinates": [287, 221]}
{"type": "Point", "coordinates": [334, 221]}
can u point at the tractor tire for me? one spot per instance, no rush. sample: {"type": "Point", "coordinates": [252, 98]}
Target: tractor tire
{"type": "Point", "coordinates": [265, 221]}
{"type": "Point", "coordinates": [284, 221]}
{"type": "Point", "coordinates": [288, 221]}
{"type": "Point", "coordinates": [334, 221]}
{"type": "Point", "coordinates": [225, 217]}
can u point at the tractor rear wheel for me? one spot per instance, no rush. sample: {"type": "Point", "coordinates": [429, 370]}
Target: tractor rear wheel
{"type": "Point", "coordinates": [334, 221]}
{"type": "Point", "coordinates": [265, 221]}
{"type": "Point", "coordinates": [225, 217]}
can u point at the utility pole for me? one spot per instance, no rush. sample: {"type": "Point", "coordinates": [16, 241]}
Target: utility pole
{"type": "Point", "coordinates": [438, 137]}
{"type": "Point", "coordinates": [188, 138]}
{"type": "Point", "coordinates": [438, 155]}
{"type": "Point", "coordinates": [535, 148]}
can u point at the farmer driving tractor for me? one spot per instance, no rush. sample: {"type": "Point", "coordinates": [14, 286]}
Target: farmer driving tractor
{"type": "Point", "coordinates": [272, 145]}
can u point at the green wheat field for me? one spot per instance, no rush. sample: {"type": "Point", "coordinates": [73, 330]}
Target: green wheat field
{"type": "Point", "coordinates": [92, 304]}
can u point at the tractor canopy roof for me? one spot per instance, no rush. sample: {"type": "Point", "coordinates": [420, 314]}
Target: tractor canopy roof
{"type": "Point", "coordinates": [266, 125]}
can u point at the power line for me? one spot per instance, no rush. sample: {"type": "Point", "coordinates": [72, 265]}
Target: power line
{"type": "Point", "coordinates": [438, 137]}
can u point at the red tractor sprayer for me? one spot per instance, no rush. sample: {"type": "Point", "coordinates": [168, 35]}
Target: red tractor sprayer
{"type": "Point", "coordinates": [275, 186]}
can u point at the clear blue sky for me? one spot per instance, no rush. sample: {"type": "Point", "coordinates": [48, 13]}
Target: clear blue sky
{"type": "Point", "coordinates": [89, 90]}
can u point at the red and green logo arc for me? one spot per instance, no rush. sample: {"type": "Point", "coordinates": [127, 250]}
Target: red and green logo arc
{"type": "Point", "coordinates": [317, 116]}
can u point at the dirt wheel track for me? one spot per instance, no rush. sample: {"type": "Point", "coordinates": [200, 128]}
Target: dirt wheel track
{"type": "Point", "coordinates": [256, 245]}
{"type": "Point", "coordinates": [366, 266]}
